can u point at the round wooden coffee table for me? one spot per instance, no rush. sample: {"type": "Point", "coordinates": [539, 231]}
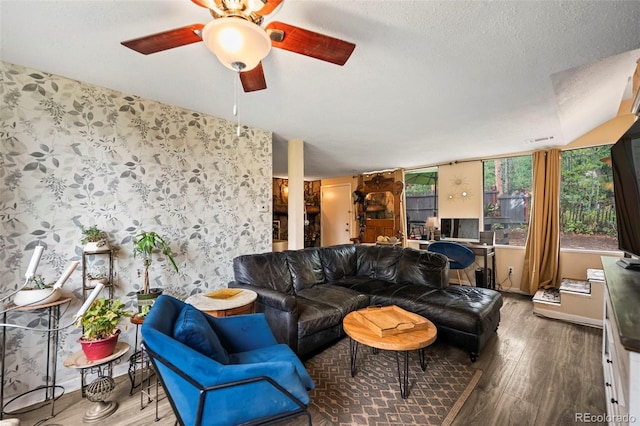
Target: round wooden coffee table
{"type": "Point", "coordinates": [409, 332]}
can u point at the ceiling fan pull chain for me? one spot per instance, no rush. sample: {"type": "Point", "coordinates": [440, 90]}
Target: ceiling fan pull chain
{"type": "Point", "coordinates": [236, 109]}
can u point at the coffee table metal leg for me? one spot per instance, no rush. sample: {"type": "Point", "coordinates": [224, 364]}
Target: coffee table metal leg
{"type": "Point", "coordinates": [403, 377]}
{"type": "Point", "coordinates": [353, 355]}
{"type": "Point", "coordinates": [423, 364]}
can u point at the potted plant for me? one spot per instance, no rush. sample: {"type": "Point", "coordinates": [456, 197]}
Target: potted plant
{"type": "Point", "coordinates": [145, 244]}
{"type": "Point", "coordinates": [97, 276]}
{"type": "Point", "coordinates": [99, 327]}
{"type": "Point", "coordinates": [37, 292]}
{"type": "Point", "coordinates": [94, 239]}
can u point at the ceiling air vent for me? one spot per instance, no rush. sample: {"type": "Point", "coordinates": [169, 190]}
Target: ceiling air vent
{"type": "Point", "coordinates": [538, 140]}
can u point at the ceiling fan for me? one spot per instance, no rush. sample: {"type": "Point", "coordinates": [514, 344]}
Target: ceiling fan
{"type": "Point", "coordinates": [238, 40]}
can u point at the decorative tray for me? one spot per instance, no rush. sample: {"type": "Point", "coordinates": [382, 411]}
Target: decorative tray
{"type": "Point", "coordinates": [390, 320]}
{"type": "Point", "coordinates": [223, 293]}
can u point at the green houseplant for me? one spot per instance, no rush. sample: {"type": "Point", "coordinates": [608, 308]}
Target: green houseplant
{"type": "Point", "coordinates": [37, 292]}
{"type": "Point", "coordinates": [99, 327]}
{"type": "Point", "coordinates": [94, 239]}
{"type": "Point", "coordinates": [145, 244]}
{"type": "Point", "coordinates": [97, 275]}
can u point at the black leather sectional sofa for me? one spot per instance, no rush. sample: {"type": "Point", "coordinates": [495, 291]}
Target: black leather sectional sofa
{"type": "Point", "coordinates": [305, 294]}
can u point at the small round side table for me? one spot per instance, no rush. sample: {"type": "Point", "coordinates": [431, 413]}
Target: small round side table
{"type": "Point", "coordinates": [239, 304]}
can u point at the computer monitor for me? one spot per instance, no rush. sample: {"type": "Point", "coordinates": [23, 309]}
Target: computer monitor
{"type": "Point", "coordinates": [460, 228]}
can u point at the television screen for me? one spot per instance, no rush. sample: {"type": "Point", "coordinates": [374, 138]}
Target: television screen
{"type": "Point", "coordinates": [467, 229]}
{"type": "Point", "coordinates": [625, 160]}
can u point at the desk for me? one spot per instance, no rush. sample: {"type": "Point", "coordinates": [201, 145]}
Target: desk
{"type": "Point", "coordinates": [486, 252]}
{"type": "Point", "coordinates": [480, 250]}
{"type": "Point", "coordinates": [52, 355]}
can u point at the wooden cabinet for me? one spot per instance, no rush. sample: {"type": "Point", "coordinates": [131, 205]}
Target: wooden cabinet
{"type": "Point", "coordinates": [381, 208]}
{"type": "Point", "coordinates": [621, 343]}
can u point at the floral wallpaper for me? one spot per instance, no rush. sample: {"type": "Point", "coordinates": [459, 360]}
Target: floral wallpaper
{"type": "Point", "coordinates": [76, 154]}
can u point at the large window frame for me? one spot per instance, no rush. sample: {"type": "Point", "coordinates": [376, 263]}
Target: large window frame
{"type": "Point", "coordinates": [587, 204]}
{"type": "Point", "coordinates": [421, 196]}
{"type": "Point", "coordinates": [507, 183]}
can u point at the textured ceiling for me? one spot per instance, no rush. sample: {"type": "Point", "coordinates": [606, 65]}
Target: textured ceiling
{"type": "Point", "coordinates": [429, 81]}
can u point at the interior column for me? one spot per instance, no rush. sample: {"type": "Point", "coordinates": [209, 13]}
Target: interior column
{"type": "Point", "coordinates": [296, 194]}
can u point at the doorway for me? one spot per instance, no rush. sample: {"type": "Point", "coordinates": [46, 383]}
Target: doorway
{"type": "Point", "coordinates": [336, 215]}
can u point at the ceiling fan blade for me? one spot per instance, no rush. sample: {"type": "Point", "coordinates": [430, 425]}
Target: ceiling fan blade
{"type": "Point", "coordinates": [254, 79]}
{"type": "Point", "coordinates": [165, 40]}
{"type": "Point", "coordinates": [269, 7]}
{"type": "Point", "coordinates": [312, 44]}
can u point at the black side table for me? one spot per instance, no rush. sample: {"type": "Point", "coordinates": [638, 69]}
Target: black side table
{"type": "Point", "coordinates": [140, 363]}
{"type": "Point", "coordinates": [49, 387]}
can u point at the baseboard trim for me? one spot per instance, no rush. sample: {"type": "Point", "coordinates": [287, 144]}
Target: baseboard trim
{"type": "Point", "coordinates": [576, 319]}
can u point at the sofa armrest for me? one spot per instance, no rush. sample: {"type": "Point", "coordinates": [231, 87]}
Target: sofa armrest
{"type": "Point", "coordinates": [272, 298]}
{"type": "Point", "coordinates": [281, 311]}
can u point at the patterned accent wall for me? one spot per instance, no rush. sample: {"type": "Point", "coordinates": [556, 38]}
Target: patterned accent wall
{"type": "Point", "coordinates": [76, 154]}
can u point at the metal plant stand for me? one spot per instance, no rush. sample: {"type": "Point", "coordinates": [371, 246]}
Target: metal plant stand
{"type": "Point", "coordinates": [99, 389]}
{"type": "Point", "coordinates": [97, 392]}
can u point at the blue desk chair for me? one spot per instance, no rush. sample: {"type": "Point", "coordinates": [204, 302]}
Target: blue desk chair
{"type": "Point", "coordinates": [460, 257]}
{"type": "Point", "coordinates": [223, 371]}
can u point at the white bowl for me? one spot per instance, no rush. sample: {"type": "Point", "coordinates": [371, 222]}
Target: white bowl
{"type": "Point", "coordinates": [38, 296]}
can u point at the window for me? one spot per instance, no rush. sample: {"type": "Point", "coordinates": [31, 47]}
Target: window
{"type": "Point", "coordinates": [507, 197]}
{"type": "Point", "coordinates": [422, 199]}
{"type": "Point", "coordinates": [587, 208]}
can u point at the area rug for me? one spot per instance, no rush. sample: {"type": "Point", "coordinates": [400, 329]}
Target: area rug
{"type": "Point", "coordinates": [372, 397]}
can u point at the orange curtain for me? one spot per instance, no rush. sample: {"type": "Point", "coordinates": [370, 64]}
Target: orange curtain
{"type": "Point", "coordinates": [542, 253]}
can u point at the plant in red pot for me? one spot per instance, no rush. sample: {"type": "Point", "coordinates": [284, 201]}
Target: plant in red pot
{"type": "Point", "coordinates": [99, 327]}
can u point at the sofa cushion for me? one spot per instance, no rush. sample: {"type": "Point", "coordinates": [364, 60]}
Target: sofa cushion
{"type": "Point", "coordinates": [269, 270]}
{"type": "Point", "coordinates": [314, 316]}
{"type": "Point", "coordinates": [343, 299]}
{"type": "Point", "coordinates": [363, 285]}
{"type": "Point", "coordinates": [380, 262]}
{"type": "Point", "coordinates": [463, 308]}
{"type": "Point", "coordinates": [366, 258]}
{"type": "Point", "coordinates": [305, 267]}
{"type": "Point", "coordinates": [192, 329]}
{"type": "Point", "coordinates": [338, 261]}
{"type": "Point", "coordinates": [423, 267]}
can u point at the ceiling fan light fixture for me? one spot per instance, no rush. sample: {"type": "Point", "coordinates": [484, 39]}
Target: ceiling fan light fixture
{"type": "Point", "coordinates": [236, 40]}
{"type": "Point", "coordinates": [256, 5]}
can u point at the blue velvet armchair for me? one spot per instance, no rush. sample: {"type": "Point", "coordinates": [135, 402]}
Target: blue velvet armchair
{"type": "Point", "coordinates": [223, 371]}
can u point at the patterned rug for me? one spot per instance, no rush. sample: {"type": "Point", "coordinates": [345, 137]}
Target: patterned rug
{"type": "Point", "coordinates": [372, 397]}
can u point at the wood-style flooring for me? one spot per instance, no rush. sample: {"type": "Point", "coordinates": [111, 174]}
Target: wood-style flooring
{"type": "Point", "coordinates": [537, 371]}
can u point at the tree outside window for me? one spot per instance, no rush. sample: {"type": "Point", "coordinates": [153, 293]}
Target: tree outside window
{"type": "Point", "coordinates": [507, 198]}
{"type": "Point", "coordinates": [587, 207]}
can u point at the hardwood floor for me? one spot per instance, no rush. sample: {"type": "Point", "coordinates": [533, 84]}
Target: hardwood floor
{"type": "Point", "coordinates": [537, 371]}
